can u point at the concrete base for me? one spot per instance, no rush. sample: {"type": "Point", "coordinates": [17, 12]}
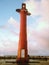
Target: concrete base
{"type": "Point", "coordinates": [22, 60]}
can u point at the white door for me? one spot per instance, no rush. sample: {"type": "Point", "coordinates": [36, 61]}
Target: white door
{"type": "Point", "coordinates": [22, 53]}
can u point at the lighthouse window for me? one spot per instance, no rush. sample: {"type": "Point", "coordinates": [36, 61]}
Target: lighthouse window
{"type": "Point", "coordinates": [22, 53]}
{"type": "Point", "coordinates": [23, 6]}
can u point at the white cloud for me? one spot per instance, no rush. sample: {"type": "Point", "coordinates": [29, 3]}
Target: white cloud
{"type": "Point", "coordinates": [13, 22]}
{"type": "Point", "coordinates": [33, 7]}
{"type": "Point", "coordinates": [38, 39]}
{"type": "Point", "coordinates": [9, 40]}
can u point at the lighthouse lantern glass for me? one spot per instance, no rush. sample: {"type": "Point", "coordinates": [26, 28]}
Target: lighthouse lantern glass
{"type": "Point", "coordinates": [23, 6]}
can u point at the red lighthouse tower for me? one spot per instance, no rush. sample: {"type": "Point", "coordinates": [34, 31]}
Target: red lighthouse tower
{"type": "Point", "coordinates": [22, 46]}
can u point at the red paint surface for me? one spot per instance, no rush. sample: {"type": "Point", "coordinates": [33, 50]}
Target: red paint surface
{"type": "Point", "coordinates": [23, 34]}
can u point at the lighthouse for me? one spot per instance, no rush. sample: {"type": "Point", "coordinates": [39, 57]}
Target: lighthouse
{"type": "Point", "coordinates": [22, 55]}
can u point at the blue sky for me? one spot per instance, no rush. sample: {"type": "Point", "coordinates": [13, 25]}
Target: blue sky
{"type": "Point", "coordinates": [37, 26]}
{"type": "Point", "coordinates": [8, 9]}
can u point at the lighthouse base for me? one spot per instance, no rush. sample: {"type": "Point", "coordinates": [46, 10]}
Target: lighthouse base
{"type": "Point", "coordinates": [22, 60]}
